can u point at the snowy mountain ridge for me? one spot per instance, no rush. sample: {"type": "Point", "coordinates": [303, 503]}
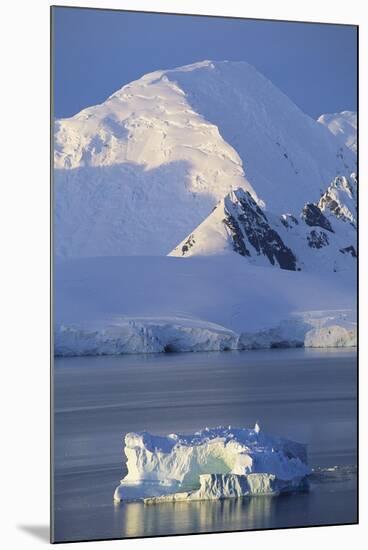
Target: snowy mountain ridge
{"type": "Point", "coordinates": [321, 238]}
{"type": "Point", "coordinates": [237, 223]}
{"type": "Point", "coordinates": [344, 126]}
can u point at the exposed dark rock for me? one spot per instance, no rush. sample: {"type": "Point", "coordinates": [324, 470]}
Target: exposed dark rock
{"type": "Point", "coordinates": [317, 239]}
{"type": "Point", "coordinates": [252, 224]}
{"type": "Point", "coordinates": [313, 216]}
{"type": "Point", "coordinates": [288, 220]}
{"type": "Point", "coordinates": [349, 250]}
{"type": "Point", "coordinates": [236, 234]}
{"type": "Point", "coordinates": [188, 244]}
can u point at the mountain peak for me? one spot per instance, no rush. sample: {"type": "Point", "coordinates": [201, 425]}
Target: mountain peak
{"type": "Point", "coordinates": [238, 224]}
{"type": "Point", "coordinates": [171, 145]}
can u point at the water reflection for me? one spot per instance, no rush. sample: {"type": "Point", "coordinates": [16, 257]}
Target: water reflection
{"type": "Point", "coordinates": [138, 519]}
{"type": "Point", "coordinates": [310, 397]}
{"type": "Point", "coordinates": [263, 512]}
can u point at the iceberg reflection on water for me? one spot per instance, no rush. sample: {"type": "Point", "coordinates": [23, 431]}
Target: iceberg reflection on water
{"type": "Point", "coordinates": [191, 517]}
{"type": "Point", "coordinates": [309, 507]}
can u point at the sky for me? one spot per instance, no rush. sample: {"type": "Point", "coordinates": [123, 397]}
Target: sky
{"type": "Point", "coordinates": [96, 52]}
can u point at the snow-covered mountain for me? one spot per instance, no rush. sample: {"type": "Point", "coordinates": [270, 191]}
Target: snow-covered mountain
{"type": "Point", "coordinates": [217, 180]}
{"type": "Point", "coordinates": [138, 173]}
{"type": "Point", "coordinates": [343, 126]}
{"type": "Point", "coordinates": [322, 237]}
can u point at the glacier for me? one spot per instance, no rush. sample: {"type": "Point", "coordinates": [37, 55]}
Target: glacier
{"type": "Point", "coordinates": [144, 335]}
{"type": "Point", "coordinates": [170, 335]}
{"type": "Point", "coordinates": [109, 306]}
{"type": "Point", "coordinates": [213, 463]}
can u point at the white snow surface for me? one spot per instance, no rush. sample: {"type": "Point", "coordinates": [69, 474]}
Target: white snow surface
{"type": "Point", "coordinates": [133, 304]}
{"type": "Point", "coordinates": [344, 126]}
{"type": "Point", "coordinates": [210, 464]}
{"type": "Point", "coordinates": [137, 173]}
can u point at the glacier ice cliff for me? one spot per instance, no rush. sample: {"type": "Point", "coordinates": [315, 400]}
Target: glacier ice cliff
{"type": "Point", "coordinates": [121, 305]}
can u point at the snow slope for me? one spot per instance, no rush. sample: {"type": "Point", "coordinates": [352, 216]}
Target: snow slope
{"type": "Point", "coordinates": [344, 126]}
{"type": "Point", "coordinates": [113, 305]}
{"type": "Point", "coordinates": [136, 174]}
{"type": "Point", "coordinates": [321, 238]}
{"type": "Point", "coordinates": [210, 464]}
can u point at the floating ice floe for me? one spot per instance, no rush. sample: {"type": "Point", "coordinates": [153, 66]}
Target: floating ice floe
{"type": "Point", "coordinates": [211, 464]}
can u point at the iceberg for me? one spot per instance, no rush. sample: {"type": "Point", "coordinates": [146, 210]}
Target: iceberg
{"type": "Point", "coordinates": [213, 463]}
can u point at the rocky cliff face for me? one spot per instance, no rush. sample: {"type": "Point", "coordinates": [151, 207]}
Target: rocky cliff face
{"type": "Point", "coordinates": [316, 238]}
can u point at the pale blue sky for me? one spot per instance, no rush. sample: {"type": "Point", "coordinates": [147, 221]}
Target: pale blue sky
{"type": "Point", "coordinates": [98, 51]}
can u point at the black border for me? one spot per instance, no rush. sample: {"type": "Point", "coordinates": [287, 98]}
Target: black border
{"type": "Point", "coordinates": [51, 152]}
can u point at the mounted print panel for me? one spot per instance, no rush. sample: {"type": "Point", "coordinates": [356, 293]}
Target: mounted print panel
{"type": "Point", "coordinates": [204, 274]}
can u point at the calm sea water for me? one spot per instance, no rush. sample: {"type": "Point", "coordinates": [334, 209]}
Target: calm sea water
{"type": "Point", "coordinates": [306, 395]}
